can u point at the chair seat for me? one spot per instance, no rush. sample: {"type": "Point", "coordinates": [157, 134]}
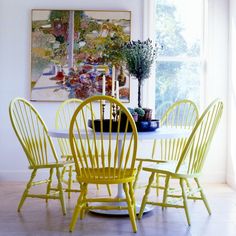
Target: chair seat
{"type": "Point", "coordinates": [169, 168]}
{"type": "Point", "coordinates": [53, 165]}
{"type": "Point", "coordinates": [106, 175]}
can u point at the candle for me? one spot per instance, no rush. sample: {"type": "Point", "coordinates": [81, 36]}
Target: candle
{"type": "Point", "coordinates": [103, 87]}
{"type": "Point", "coordinates": [113, 81]}
{"type": "Point", "coordinates": [117, 89]}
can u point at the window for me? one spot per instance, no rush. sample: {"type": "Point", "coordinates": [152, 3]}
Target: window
{"type": "Point", "coordinates": [179, 29]}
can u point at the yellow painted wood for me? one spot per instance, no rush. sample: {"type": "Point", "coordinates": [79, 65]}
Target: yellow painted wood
{"type": "Point", "coordinates": [190, 164]}
{"type": "Point", "coordinates": [32, 133]}
{"type": "Point", "coordinates": [145, 197]}
{"type": "Point", "coordinates": [77, 207]}
{"type": "Point", "coordinates": [183, 114]}
{"type": "Point", "coordinates": [62, 121]}
{"type": "Point", "coordinates": [103, 158]}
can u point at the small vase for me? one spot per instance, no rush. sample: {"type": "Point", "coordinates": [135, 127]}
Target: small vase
{"type": "Point", "coordinates": [121, 77]}
{"type": "Point", "coordinates": [148, 114]}
{"type": "Point", "coordinates": [135, 116]}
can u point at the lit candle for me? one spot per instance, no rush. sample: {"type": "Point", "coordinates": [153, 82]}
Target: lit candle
{"type": "Point", "coordinates": [113, 82]}
{"type": "Point", "coordinates": [117, 89]}
{"type": "Point", "coordinates": [103, 87]}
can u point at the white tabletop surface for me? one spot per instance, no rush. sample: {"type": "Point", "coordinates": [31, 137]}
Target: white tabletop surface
{"type": "Point", "coordinates": [160, 133]}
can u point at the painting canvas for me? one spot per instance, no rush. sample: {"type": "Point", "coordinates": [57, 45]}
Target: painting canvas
{"type": "Point", "coordinates": [71, 51]}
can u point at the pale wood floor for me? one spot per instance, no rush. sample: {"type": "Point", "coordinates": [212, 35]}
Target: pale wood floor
{"type": "Point", "coordinates": [37, 218]}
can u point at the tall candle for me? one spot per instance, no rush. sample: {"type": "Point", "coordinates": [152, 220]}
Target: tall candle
{"type": "Point", "coordinates": [113, 81]}
{"type": "Point", "coordinates": [117, 89]}
{"type": "Point", "coordinates": [103, 87]}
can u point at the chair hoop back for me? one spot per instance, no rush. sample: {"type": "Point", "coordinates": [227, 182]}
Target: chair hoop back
{"type": "Point", "coordinates": [65, 112]}
{"type": "Point", "coordinates": [182, 114]}
{"type": "Point", "coordinates": [197, 146]}
{"type": "Point", "coordinates": [31, 131]}
{"type": "Point", "coordinates": [107, 151]}
{"type": "Point", "coordinates": [62, 121]}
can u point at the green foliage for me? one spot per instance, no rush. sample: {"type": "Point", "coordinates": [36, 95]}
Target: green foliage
{"type": "Point", "coordinates": [139, 111]}
{"type": "Point", "coordinates": [63, 15]}
{"type": "Point", "coordinates": [139, 56]}
{"type": "Point", "coordinates": [132, 111]}
{"type": "Point", "coordinates": [175, 80]}
{"type": "Point", "coordinates": [112, 49]}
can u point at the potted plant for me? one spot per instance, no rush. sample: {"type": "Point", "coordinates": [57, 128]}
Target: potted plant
{"type": "Point", "coordinates": [139, 57]}
{"type": "Point", "coordinates": [140, 113]}
{"type": "Point", "coordinates": [133, 113]}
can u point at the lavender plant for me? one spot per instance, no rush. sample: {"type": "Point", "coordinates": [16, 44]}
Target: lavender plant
{"type": "Point", "coordinates": [139, 57]}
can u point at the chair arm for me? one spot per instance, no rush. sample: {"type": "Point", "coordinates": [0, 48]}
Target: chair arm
{"type": "Point", "coordinates": [150, 160]}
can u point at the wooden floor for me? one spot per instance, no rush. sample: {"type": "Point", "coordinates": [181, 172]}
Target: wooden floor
{"type": "Point", "coordinates": [39, 218]}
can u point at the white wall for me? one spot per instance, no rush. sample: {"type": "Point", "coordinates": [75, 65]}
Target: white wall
{"type": "Point", "coordinates": [15, 73]}
{"type": "Point", "coordinates": [231, 163]}
{"type": "Point", "coordinates": [15, 33]}
{"type": "Point", "coordinates": [216, 84]}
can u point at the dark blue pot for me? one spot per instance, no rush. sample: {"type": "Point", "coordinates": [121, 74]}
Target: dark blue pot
{"type": "Point", "coordinates": [147, 126]}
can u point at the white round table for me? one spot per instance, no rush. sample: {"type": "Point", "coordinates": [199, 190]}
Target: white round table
{"type": "Point", "coordinates": [160, 133]}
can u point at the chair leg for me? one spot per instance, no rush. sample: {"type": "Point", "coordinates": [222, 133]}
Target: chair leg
{"type": "Point", "coordinates": [77, 207]}
{"type": "Point", "coordinates": [82, 211]}
{"type": "Point", "coordinates": [109, 190]}
{"type": "Point", "coordinates": [130, 207]}
{"type": "Point", "coordinates": [165, 193]}
{"type": "Point", "coordinates": [137, 174]}
{"type": "Point", "coordinates": [61, 193]}
{"type": "Point", "coordinates": [131, 192]}
{"type": "Point", "coordinates": [185, 201]}
{"type": "Point", "coordinates": [97, 185]}
{"type": "Point", "coordinates": [70, 181]}
{"type": "Point", "coordinates": [83, 204]}
{"type": "Point", "coordinates": [188, 184]}
{"type": "Point", "coordinates": [157, 184]}
{"type": "Point", "coordinates": [63, 172]}
{"type": "Point", "coordinates": [28, 186]}
{"type": "Point", "coordinates": [49, 182]}
{"type": "Point", "coordinates": [203, 196]}
{"type": "Point", "coordinates": [145, 197]}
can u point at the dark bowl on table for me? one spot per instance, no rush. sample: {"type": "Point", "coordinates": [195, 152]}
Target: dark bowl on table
{"type": "Point", "coordinates": [142, 126]}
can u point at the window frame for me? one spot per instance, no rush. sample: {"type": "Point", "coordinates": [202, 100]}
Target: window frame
{"type": "Point", "coordinates": [148, 25]}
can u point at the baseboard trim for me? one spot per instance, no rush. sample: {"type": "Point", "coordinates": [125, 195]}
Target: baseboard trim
{"type": "Point", "coordinates": [231, 181]}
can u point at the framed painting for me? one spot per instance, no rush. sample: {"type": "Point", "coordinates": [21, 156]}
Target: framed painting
{"type": "Point", "coordinates": [73, 51]}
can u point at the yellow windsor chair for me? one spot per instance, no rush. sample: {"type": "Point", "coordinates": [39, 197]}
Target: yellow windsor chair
{"type": "Point", "coordinates": [110, 158]}
{"type": "Point", "coordinates": [62, 121]}
{"type": "Point", "coordinates": [38, 147]}
{"type": "Point", "coordinates": [189, 166]}
{"type": "Point", "coordinates": [182, 114]}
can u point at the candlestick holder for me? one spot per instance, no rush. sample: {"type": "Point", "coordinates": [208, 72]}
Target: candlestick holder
{"type": "Point", "coordinates": [114, 112]}
{"type": "Point", "coordinates": [103, 110]}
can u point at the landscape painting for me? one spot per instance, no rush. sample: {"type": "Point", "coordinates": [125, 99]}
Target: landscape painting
{"type": "Point", "coordinates": [72, 50]}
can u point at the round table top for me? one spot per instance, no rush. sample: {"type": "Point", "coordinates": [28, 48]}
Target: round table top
{"type": "Point", "coordinates": [160, 133]}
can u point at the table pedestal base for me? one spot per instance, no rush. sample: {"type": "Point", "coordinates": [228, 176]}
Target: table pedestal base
{"type": "Point", "coordinates": [120, 212]}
